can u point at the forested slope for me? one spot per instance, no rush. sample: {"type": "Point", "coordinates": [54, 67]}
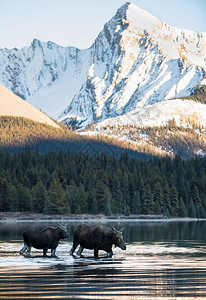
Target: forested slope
{"type": "Point", "coordinates": [67, 182]}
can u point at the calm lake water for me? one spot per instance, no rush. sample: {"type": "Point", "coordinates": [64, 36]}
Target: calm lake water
{"type": "Point", "coordinates": [163, 260]}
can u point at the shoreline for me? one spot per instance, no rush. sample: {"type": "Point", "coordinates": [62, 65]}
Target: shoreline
{"type": "Point", "coordinates": [10, 217]}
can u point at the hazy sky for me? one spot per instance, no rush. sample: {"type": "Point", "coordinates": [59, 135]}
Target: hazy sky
{"type": "Point", "coordinates": [78, 22]}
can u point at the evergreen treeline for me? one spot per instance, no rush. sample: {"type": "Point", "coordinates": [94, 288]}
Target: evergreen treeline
{"type": "Point", "coordinates": [198, 94]}
{"type": "Point", "coordinates": [19, 131]}
{"type": "Point", "coordinates": [78, 183]}
{"type": "Point", "coordinates": [170, 138]}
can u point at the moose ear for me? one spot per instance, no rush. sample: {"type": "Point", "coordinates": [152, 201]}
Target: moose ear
{"type": "Point", "coordinates": [121, 230]}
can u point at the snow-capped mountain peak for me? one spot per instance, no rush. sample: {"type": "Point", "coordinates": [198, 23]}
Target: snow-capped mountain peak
{"type": "Point", "coordinates": [139, 17]}
{"type": "Point", "coordinates": [135, 62]}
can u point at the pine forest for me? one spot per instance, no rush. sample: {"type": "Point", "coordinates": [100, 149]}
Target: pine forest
{"type": "Point", "coordinates": [64, 182]}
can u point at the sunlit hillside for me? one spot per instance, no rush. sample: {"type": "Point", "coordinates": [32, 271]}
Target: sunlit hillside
{"type": "Point", "coordinates": [12, 105]}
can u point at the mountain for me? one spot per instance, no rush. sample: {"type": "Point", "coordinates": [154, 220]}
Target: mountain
{"type": "Point", "coordinates": [135, 62]}
{"type": "Point", "coordinates": [12, 105]}
{"type": "Point", "coordinates": [44, 74]}
{"type": "Point", "coordinates": [183, 111]}
{"type": "Point", "coordinates": [138, 61]}
{"type": "Point", "coordinates": [139, 73]}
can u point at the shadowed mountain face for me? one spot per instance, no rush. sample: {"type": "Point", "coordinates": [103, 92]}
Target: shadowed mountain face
{"type": "Point", "coordinates": [135, 62]}
{"type": "Point", "coordinates": [19, 133]}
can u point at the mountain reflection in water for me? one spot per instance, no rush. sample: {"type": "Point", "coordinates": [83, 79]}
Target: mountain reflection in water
{"type": "Point", "coordinates": [162, 261]}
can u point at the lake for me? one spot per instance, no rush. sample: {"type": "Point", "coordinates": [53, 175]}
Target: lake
{"type": "Point", "coordinates": [163, 260]}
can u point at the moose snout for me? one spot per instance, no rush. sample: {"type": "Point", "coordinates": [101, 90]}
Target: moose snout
{"type": "Point", "coordinates": [123, 247]}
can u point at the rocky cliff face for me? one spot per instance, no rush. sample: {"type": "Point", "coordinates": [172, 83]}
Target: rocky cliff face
{"type": "Point", "coordinates": [135, 62]}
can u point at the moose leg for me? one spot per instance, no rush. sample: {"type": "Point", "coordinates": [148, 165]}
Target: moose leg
{"type": "Point", "coordinates": [44, 252]}
{"type": "Point", "coordinates": [75, 244]}
{"type": "Point", "coordinates": [79, 252]}
{"type": "Point", "coordinates": [53, 252]}
{"type": "Point", "coordinates": [28, 254]}
{"type": "Point", "coordinates": [110, 253]}
{"type": "Point", "coordinates": [96, 253]}
{"type": "Point", "coordinates": [73, 249]}
{"type": "Point", "coordinates": [23, 249]}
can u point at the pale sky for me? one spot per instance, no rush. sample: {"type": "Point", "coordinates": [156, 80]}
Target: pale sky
{"type": "Point", "coordinates": [78, 22]}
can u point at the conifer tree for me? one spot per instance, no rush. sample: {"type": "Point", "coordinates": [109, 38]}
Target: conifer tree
{"type": "Point", "coordinates": [6, 205]}
{"type": "Point", "coordinates": [56, 197]}
{"type": "Point", "coordinates": [167, 201]}
{"type": "Point", "coordinates": [185, 197]}
{"type": "Point", "coordinates": [196, 200]}
{"type": "Point", "coordinates": [119, 202]}
{"type": "Point", "coordinates": [44, 175]}
{"type": "Point", "coordinates": [202, 212]}
{"type": "Point", "coordinates": [158, 198]}
{"type": "Point", "coordinates": [135, 203]}
{"type": "Point", "coordinates": [107, 210]}
{"type": "Point", "coordinates": [182, 208]}
{"type": "Point", "coordinates": [195, 195]}
{"type": "Point", "coordinates": [94, 208]}
{"type": "Point", "coordinates": [38, 197]}
{"type": "Point", "coordinates": [125, 187]}
{"type": "Point", "coordinates": [103, 196]}
{"type": "Point", "coordinates": [132, 187]}
{"type": "Point", "coordinates": [82, 200]}
{"type": "Point", "coordinates": [142, 190]}
{"type": "Point", "coordinates": [1, 204]}
{"type": "Point", "coordinates": [117, 195]}
{"type": "Point", "coordinates": [174, 201]}
{"type": "Point", "coordinates": [90, 197]}
{"type": "Point", "coordinates": [67, 200]}
{"type": "Point", "coordinates": [72, 196]}
{"type": "Point", "coordinates": [127, 210]}
{"type": "Point", "coordinates": [158, 210]}
{"type": "Point", "coordinates": [148, 205]}
{"type": "Point", "coordinates": [78, 210]}
{"type": "Point", "coordinates": [24, 198]}
{"type": "Point", "coordinates": [12, 197]}
{"type": "Point", "coordinates": [191, 208]}
{"type": "Point", "coordinates": [167, 214]}
{"type": "Point", "coordinates": [88, 182]}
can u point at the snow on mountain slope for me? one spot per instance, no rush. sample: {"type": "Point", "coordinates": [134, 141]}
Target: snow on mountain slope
{"type": "Point", "coordinates": [184, 112]}
{"type": "Point", "coordinates": [45, 74]}
{"type": "Point", "coordinates": [12, 105]}
{"type": "Point", "coordinates": [136, 61]}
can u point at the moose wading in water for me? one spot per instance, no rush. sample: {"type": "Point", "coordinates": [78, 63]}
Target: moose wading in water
{"type": "Point", "coordinates": [45, 239]}
{"type": "Point", "coordinates": [97, 237]}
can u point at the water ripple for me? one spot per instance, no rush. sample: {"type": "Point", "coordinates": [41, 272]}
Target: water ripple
{"type": "Point", "coordinates": [171, 270]}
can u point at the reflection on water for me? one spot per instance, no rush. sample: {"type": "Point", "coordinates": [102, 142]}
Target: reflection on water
{"type": "Point", "coordinates": [162, 261]}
